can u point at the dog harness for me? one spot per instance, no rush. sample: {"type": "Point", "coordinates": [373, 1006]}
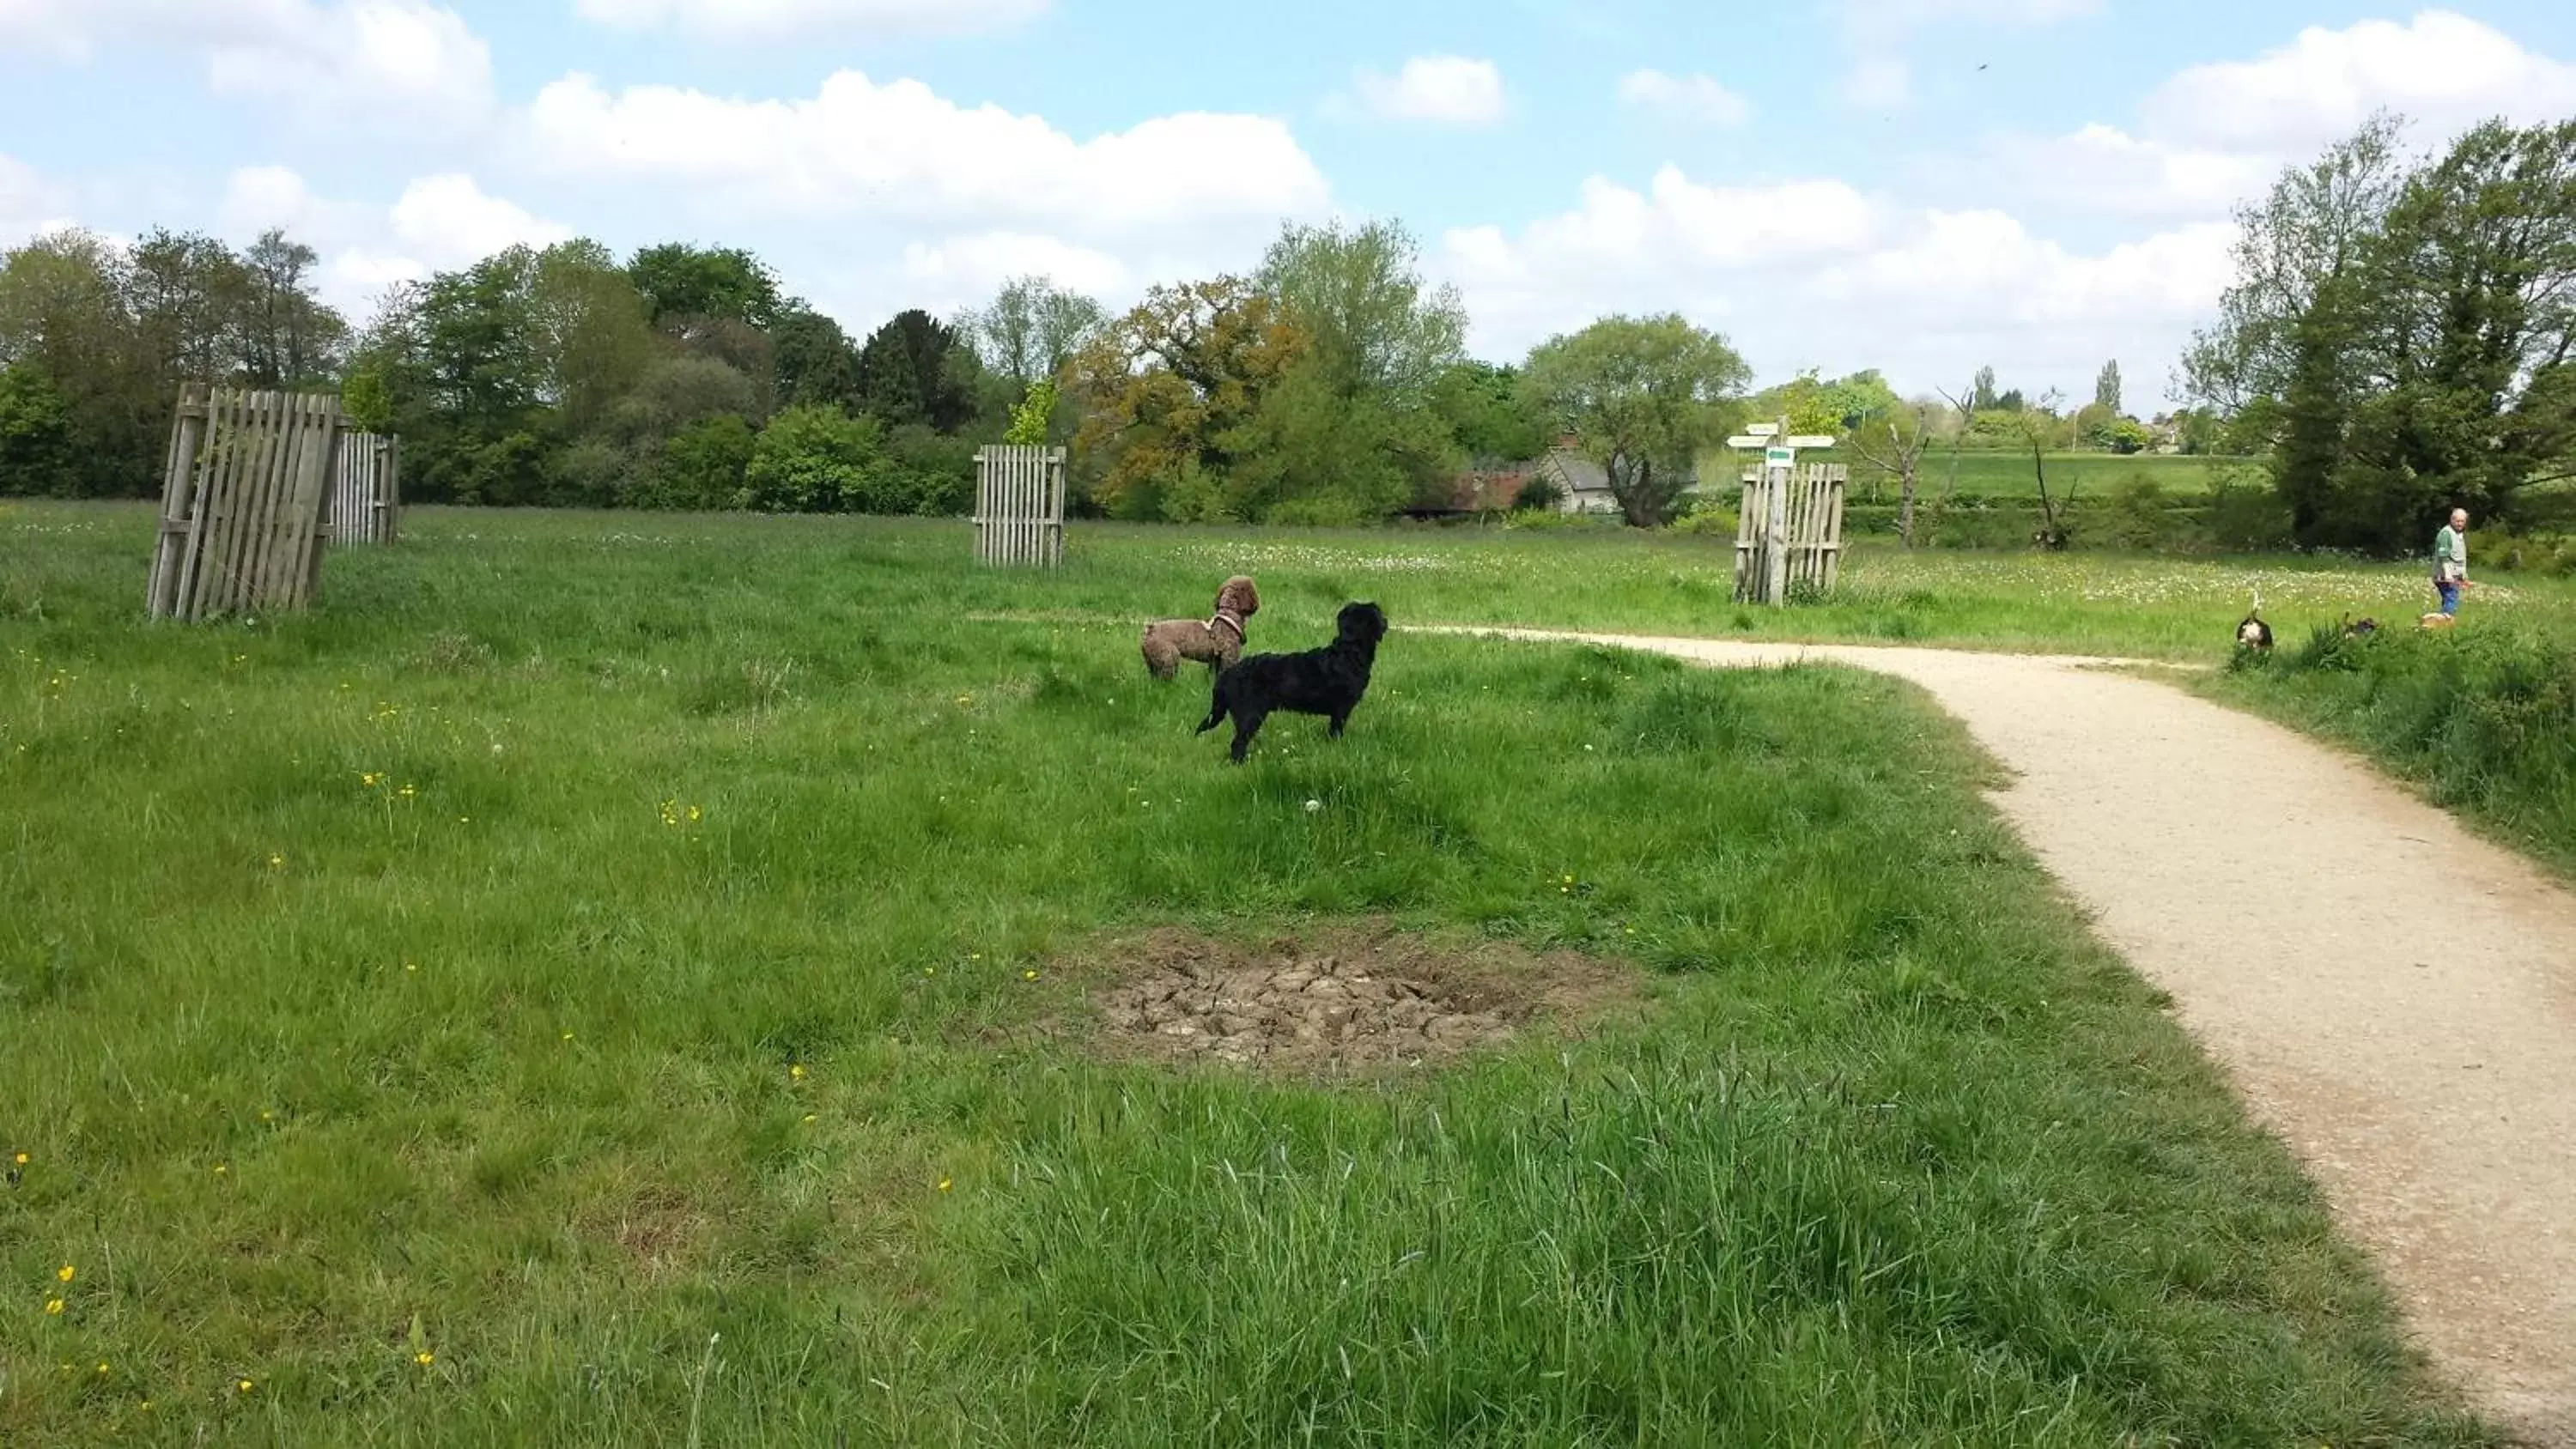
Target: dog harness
{"type": "Point", "coordinates": [1231, 620]}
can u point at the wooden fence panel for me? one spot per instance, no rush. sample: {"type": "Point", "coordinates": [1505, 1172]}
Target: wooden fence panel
{"type": "Point", "coordinates": [366, 490]}
{"type": "Point", "coordinates": [1019, 507]}
{"type": "Point", "coordinates": [1790, 534]}
{"type": "Point", "coordinates": [247, 478]}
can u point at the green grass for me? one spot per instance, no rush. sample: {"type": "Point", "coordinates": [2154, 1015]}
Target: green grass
{"type": "Point", "coordinates": [504, 1045]}
{"type": "Point", "coordinates": [1995, 473]}
{"type": "Point", "coordinates": [2484, 717]}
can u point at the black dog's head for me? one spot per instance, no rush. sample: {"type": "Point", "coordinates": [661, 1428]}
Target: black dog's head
{"type": "Point", "coordinates": [1362, 624]}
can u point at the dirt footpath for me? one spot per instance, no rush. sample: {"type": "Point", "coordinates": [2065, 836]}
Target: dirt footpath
{"type": "Point", "coordinates": [2393, 995]}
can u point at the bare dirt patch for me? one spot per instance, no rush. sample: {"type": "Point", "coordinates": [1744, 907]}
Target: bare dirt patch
{"type": "Point", "coordinates": [1338, 1000]}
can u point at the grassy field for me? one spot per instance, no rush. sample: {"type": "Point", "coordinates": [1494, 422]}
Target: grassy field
{"type": "Point", "coordinates": [577, 988]}
{"type": "Point", "coordinates": [2000, 474]}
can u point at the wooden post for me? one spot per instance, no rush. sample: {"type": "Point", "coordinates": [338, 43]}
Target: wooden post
{"type": "Point", "coordinates": [178, 500]}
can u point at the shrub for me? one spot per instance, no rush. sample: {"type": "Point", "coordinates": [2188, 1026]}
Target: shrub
{"type": "Point", "coordinates": [815, 460]}
{"type": "Point", "coordinates": [2484, 716]}
{"type": "Point", "coordinates": [931, 473]}
{"type": "Point", "coordinates": [35, 434]}
{"type": "Point", "coordinates": [702, 467]}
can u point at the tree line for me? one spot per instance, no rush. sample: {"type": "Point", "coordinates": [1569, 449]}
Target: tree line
{"type": "Point", "coordinates": [2399, 334]}
{"type": "Point", "coordinates": [2397, 339]}
{"type": "Point", "coordinates": [1329, 385]}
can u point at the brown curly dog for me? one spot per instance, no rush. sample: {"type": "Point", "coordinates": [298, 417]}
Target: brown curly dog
{"type": "Point", "coordinates": [1216, 643]}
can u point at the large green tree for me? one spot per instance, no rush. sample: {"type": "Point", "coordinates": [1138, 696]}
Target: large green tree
{"type": "Point", "coordinates": [916, 370]}
{"type": "Point", "coordinates": [1644, 394]}
{"type": "Point", "coordinates": [1169, 391]}
{"type": "Point", "coordinates": [65, 309]}
{"type": "Point", "coordinates": [683, 284]}
{"type": "Point", "coordinates": [1373, 326]}
{"type": "Point", "coordinates": [2310, 230]}
{"type": "Point", "coordinates": [1032, 330]}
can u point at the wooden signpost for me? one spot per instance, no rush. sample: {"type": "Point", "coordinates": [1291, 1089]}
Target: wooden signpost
{"type": "Point", "coordinates": [1780, 536]}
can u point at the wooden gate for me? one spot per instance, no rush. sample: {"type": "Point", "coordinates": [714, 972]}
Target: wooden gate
{"type": "Point", "coordinates": [1790, 534]}
{"type": "Point", "coordinates": [241, 502]}
{"type": "Point", "coordinates": [1019, 506]}
{"type": "Point", "coordinates": [366, 489]}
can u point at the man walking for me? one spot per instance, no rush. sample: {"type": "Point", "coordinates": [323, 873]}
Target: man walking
{"type": "Point", "coordinates": [2451, 560]}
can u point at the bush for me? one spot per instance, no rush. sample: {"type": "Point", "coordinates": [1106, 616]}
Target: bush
{"type": "Point", "coordinates": [36, 454]}
{"type": "Point", "coordinates": [2136, 516]}
{"type": "Point", "coordinates": [703, 466]}
{"type": "Point", "coordinates": [932, 474]}
{"type": "Point", "coordinates": [2246, 515]}
{"type": "Point", "coordinates": [2485, 716]}
{"type": "Point", "coordinates": [1539, 494]}
{"type": "Point", "coordinates": [815, 460]}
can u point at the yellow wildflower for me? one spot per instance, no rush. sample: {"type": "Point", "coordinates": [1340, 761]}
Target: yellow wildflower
{"type": "Point", "coordinates": [407, 792]}
{"type": "Point", "coordinates": [946, 1183]}
{"type": "Point", "coordinates": [1028, 976]}
{"type": "Point", "coordinates": [411, 966]}
{"type": "Point", "coordinates": [424, 1358]}
{"type": "Point", "coordinates": [695, 814]}
{"type": "Point", "coordinates": [22, 1159]}
{"type": "Point", "coordinates": [277, 862]}
{"type": "Point", "coordinates": [242, 1384]}
{"type": "Point", "coordinates": [66, 1273]}
{"type": "Point", "coordinates": [54, 1306]}
{"type": "Point", "coordinates": [221, 1169]}
{"type": "Point", "coordinates": [102, 1367]}
{"type": "Point", "coordinates": [796, 1071]}
{"type": "Point", "coordinates": [370, 779]}
{"type": "Point", "coordinates": [809, 1119]}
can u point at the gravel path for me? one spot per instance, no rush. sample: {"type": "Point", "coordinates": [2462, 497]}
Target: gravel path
{"type": "Point", "coordinates": [2393, 995]}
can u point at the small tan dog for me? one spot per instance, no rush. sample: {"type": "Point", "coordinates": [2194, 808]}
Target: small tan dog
{"type": "Point", "coordinates": [1216, 643]}
{"type": "Point", "coordinates": [2437, 621]}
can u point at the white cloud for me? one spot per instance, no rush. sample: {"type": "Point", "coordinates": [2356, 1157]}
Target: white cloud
{"type": "Point", "coordinates": [2442, 69]}
{"type": "Point", "coordinates": [373, 64]}
{"type": "Point", "coordinates": [439, 223]}
{"type": "Point", "coordinates": [1698, 98]}
{"type": "Point", "coordinates": [899, 151]}
{"type": "Point", "coordinates": [2216, 135]}
{"type": "Point", "coordinates": [1812, 273]}
{"type": "Point", "coordinates": [1877, 82]}
{"type": "Point", "coordinates": [745, 20]}
{"type": "Point", "coordinates": [1447, 90]}
{"type": "Point", "coordinates": [970, 269]}
{"type": "Point", "coordinates": [30, 205]}
{"type": "Point", "coordinates": [2103, 168]}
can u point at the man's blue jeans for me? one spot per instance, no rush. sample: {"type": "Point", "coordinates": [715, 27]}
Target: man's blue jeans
{"type": "Point", "coordinates": [2450, 595]}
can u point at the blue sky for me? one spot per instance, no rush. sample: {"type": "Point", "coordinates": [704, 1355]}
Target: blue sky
{"type": "Point", "coordinates": [1917, 185]}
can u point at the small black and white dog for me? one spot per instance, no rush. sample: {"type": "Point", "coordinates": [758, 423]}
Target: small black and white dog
{"type": "Point", "coordinates": [1327, 681]}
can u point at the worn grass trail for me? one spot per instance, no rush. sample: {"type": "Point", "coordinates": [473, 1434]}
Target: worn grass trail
{"type": "Point", "coordinates": [572, 989]}
{"type": "Point", "coordinates": [2392, 994]}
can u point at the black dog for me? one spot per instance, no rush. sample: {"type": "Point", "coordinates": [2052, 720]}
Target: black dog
{"type": "Point", "coordinates": [1327, 681]}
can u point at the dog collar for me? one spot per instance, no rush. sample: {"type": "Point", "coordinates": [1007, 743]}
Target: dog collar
{"type": "Point", "coordinates": [1231, 620]}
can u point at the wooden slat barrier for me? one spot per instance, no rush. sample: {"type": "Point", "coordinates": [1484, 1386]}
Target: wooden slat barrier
{"type": "Point", "coordinates": [1790, 534]}
{"type": "Point", "coordinates": [242, 501]}
{"type": "Point", "coordinates": [1019, 507]}
{"type": "Point", "coordinates": [366, 489]}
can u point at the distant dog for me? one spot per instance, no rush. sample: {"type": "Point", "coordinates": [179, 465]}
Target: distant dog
{"type": "Point", "coordinates": [2437, 621]}
{"type": "Point", "coordinates": [1328, 681]}
{"type": "Point", "coordinates": [2361, 630]}
{"type": "Point", "coordinates": [1216, 643]}
{"type": "Point", "coordinates": [2254, 634]}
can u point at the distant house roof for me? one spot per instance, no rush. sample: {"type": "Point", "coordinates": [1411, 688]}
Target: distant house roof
{"type": "Point", "coordinates": [1574, 472]}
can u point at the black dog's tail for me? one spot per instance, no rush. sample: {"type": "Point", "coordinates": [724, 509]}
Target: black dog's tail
{"type": "Point", "coordinates": [1216, 703]}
